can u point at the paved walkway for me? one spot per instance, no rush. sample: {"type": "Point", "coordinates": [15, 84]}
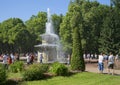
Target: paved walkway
{"type": "Point", "coordinates": [92, 67]}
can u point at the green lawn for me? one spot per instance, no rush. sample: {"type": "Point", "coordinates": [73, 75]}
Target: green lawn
{"type": "Point", "coordinates": [84, 78]}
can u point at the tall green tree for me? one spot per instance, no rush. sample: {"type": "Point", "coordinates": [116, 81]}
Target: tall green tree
{"type": "Point", "coordinates": [77, 61]}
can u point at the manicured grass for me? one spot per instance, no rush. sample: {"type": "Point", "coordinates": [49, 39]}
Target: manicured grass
{"type": "Point", "coordinates": [84, 78]}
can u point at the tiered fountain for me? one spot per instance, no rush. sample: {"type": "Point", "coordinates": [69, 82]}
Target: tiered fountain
{"type": "Point", "coordinates": [50, 47]}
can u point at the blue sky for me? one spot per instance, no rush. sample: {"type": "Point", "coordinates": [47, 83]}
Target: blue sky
{"type": "Point", "coordinates": [24, 9]}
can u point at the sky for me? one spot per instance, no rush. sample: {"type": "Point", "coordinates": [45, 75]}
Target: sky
{"type": "Point", "coordinates": [24, 9]}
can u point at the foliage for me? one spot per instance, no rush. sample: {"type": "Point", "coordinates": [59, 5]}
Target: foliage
{"type": "Point", "coordinates": [17, 66]}
{"type": "Point", "coordinates": [56, 22]}
{"type": "Point", "coordinates": [97, 20]}
{"type": "Point", "coordinates": [35, 72]}
{"type": "Point", "coordinates": [14, 36]}
{"type": "Point", "coordinates": [109, 40]}
{"type": "Point", "coordinates": [77, 61]}
{"type": "Point", "coordinates": [3, 75]}
{"type": "Point", "coordinates": [36, 24]}
{"type": "Point", "coordinates": [59, 69]}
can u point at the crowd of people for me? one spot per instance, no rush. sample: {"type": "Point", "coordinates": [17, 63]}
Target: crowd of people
{"type": "Point", "coordinates": [9, 58]}
{"type": "Point", "coordinates": [110, 60]}
{"type": "Point", "coordinates": [30, 58]}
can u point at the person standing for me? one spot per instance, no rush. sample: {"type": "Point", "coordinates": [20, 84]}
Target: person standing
{"type": "Point", "coordinates": [12, 57]}
{"type": "Point", "coordinates": [9, 60]}
{"type": "Point", "coordinates": [101, 63]}
{"type": "Point", "coordinates": [28, 59]}
{"type": "Point", "coordinates": [111, 60]}
{"type": "Point", "coordinates": [31, 58]}
{"type": "Point", "coordinates": [5, 61]}
{"type": "Point", "coordinates": [41, 58]}
{"type": "Point", "coordinates": [68, 60]}
{"type": "Point", "coordinates": [116, 60]}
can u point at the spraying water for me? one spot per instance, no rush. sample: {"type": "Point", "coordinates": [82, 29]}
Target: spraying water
{"type": "Point", "coordinates": [50, 47]}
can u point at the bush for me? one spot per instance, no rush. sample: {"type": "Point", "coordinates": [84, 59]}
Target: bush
{"type": "Point", "coordinates": [17, 66]}
{"type": "Point", "coordinates": [35, 72]}
{"type": "Point", "coordinates": [44, 67]}
{"type": "Point", "coordinates": [59, 69]}
{"type": "Point", "coordinates": [3, 75]}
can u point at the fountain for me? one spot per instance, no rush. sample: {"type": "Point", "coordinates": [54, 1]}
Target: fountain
{"type": "Point", "coordinates": [50, 47]}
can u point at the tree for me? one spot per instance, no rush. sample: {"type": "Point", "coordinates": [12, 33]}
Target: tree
{"type": "Point", "coordinates": [56, 22]}
{"type": "Point", "coordinates": [109, 40]}
{"type": "Point", "coordinates": [116, 3]}
{"type": "Point", "coordinates": [9, 31]}
{"type": "Point", "coordinates": [77, 61]}
{"type": "Point", "coordinates": [66, 34]}
{"type": "Point", "coordinates": [36, 25]}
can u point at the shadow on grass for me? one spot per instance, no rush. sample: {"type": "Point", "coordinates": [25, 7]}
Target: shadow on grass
{"type": "Point", "coordinates": [49, 75]}
{"type": "Point", "coordinates": [11, 82]}
{"type": "Point", "coordinates": [15, 81]}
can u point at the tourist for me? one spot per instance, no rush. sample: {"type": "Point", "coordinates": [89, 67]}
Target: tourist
{"type": "Point", "coordinates": [95, 56]}
{"type": "Point", "coordinates": [31, 58]}
{"type": "Point", "coordinates": [100, 63]}
{"type": "Point", "coordinates": [28, 59]}
{"type": "Point", "coordinates": [106, 60]}
{"type": "Point", "coordinates": [84, 56]}
{"type": "Point", "coordinates": [5, 61]}
{"type": "Point", "coordinates": [92, 56]}
{"type": "Point", "coordinates": [17, 56]}
{"type": "Point", "coordinates": [111, 63]}
{"type": "Point", "coordinates": [9, 60]}
{"type": "Point", "coordinates": [88, 57]}
{"type": "Point", "coordinates": [41, 58]}
{"type": "Point", "coordinates": [68, 59]}
{"type": "Point", "coordinates": [116, 60]}
{"type": "Point", "coordinates": [12, 57]}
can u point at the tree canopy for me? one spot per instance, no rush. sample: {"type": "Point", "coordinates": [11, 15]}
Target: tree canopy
{"type": "Point", "coordinates": [98, 25]}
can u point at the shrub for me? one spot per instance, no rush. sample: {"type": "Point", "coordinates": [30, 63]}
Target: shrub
{"type": "Point", "coordinates": [35, 72]}
{"type": "Point", "coordinates": [17, 66]}
{"type": "Point", "coordinates": [44, 67]}
{"type": "Point", "coordinates": [59, 69]}
{"type": "Point", "coordinates": [3, 75]}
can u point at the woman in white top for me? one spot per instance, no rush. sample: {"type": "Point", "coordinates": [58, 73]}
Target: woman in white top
{"type": "Point", "coordinates": [28, 59]}
{"type": "Point", "coordinates": [100, 63]}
